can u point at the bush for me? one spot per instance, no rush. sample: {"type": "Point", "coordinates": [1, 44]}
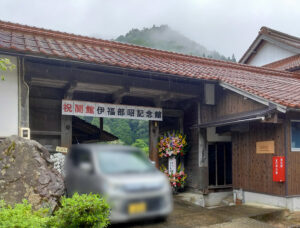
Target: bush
{"type": "Point", "coordinates": [79, 211]}
{"type": "Point", "coordinates": [82, 211]}
{"type": "Point", "coordinates": [22, 215]}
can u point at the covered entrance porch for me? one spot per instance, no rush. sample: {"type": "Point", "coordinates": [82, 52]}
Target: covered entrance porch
{"type": "Point", "coordinates": [51, 82]}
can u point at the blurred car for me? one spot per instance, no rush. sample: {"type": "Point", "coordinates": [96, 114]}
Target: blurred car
{"type": "Point", "coordinates": [132, 185]}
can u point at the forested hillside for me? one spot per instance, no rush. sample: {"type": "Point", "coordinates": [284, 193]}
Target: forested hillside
{"type": "Point", "coordinates": [129, 132]}
{"type": "Point", "coordinates": [164, 38]}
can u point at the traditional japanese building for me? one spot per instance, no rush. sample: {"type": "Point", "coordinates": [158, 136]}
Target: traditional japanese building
{"type": "Point", "coordinates": [240, 119]}
{"type": "Point", "coordinates": [274, 49]}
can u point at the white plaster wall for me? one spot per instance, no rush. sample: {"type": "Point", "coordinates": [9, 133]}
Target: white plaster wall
{"type": "Point", "coordinates": [269, 53]}
{"type": "Point", "coordinates": [9, 101]}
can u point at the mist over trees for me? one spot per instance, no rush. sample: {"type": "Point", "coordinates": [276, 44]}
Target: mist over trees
{"type": "Point", "coordinates": [164, 38]}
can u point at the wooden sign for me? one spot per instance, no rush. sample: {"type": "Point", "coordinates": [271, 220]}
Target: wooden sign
{"type": "Point", "coordinates": [61, 149]}
{"type": "Point", "coordinates": [265, 147]}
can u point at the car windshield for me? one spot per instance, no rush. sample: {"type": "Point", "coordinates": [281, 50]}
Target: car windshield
{"type": "Point", "coordinates": [118, 162]}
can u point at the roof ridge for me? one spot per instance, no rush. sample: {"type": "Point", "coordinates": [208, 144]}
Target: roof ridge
{"type": "Point", "coordinates": [135, 48]}
{"type": "Point", "coordinates": [274, 34]}
{"type": "Point", "coordinates": [264, 30]}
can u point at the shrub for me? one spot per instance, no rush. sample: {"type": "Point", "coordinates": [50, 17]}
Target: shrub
{"type": "Point", "coordinates": [22, 215]}
{"type": "Point", "coordinates": [82, 211]}
{"type": "Point", "coordinates": [79, 211]}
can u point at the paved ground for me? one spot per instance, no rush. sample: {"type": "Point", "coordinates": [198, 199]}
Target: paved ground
{"type": "Point", "coordinates": [186, 215]}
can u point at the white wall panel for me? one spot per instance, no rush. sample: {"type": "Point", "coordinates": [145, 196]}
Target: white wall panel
{"type": "Point", "coordinates": [9, 101]}
{"type": "Point", "coordinates": [269, 53]}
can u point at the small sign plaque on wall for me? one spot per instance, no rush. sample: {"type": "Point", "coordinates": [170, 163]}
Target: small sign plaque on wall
{"type": "Point", "coordinates": [265, 147]}
{"type": "Point", "coordinates": [61, 149]}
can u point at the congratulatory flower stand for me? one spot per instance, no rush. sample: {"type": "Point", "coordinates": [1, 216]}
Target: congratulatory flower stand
{"type": "Point", "coordinates": [172, 146]}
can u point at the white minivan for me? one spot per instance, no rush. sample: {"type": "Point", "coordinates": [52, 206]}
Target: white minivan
{"type": "Point", "coordinates": [133, 187]}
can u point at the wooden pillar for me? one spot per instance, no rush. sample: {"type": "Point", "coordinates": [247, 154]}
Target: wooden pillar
{"type": "Point", "coordinates": [66, 121]}
{"type": "Point", "coordinates": [153, 140]}
{"type": "Point", "coordinates": [181, 129]}
{"type": "Point", "coordinates": [101, 123]}
{"type": "Point", "coordinates": [101, 128]}
{"type": "Point", "coordinates": [203, 174]}
{"type": "Point", "coordinates": [66, 131]}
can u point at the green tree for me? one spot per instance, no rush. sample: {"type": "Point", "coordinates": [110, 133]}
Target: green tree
{"type": "Point", "coordinates": [164, 38]}
{"type": "Point", "coordinates": [140, 143]}
{"type": "Point", "coordinates": [129, 132]}
{"type": "Point", "coordinates": [233, 58]}
{"type": "Point", "coordinates": [5, 65]}
{"type": "Point", "coordinates": [121, 129]}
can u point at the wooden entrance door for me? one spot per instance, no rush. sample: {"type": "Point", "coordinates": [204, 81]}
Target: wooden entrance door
{"type": "Point", "coordinates": [220, 164]}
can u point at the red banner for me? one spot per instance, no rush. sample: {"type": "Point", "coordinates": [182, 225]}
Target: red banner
{"type": "Point", "coordinates": [279, 168]}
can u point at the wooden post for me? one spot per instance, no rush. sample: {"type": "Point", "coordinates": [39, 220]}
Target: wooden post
{"type": "Point", "coordinates": [101, 128]}
{"type": "Point", "coordinates": [153, 137]}
{"type": "Point", "coordinates": [66, 121]}
{"type": "Point", "coordinates": [66, 131]}
{"type": "Point", "coordinates": [181, 129]}
{"type": "Point", "coordinates": [101, 123]}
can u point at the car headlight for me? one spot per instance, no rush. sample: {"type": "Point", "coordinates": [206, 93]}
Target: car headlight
{"type": "Point", "coordinates": [110, 188]}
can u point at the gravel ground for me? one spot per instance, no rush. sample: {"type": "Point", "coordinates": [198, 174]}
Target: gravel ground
{"type": "Point", "coordinates": [187, 215]}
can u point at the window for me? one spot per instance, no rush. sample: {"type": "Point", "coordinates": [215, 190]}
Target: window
{"type": "Point", "coordinates": [124, 162]}
{"type": "Point", "coordinates": [295, 135]}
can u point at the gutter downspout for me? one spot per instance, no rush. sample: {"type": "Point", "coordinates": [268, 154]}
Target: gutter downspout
{"type": "Point", "coordinates": [21, 83]}
{"type": "Point", "coordinates": [286, 155]}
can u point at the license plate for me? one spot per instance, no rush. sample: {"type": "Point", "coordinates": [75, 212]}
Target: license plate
{"type": "Point", "coordinates": [137, 208]}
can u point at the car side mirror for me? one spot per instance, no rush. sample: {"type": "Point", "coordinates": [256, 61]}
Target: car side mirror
{"type": "Point", "coordinates": [86, 167]}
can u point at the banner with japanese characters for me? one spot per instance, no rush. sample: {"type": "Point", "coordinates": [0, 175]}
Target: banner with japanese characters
{"type": "Point", "coordinates": [83, 108]}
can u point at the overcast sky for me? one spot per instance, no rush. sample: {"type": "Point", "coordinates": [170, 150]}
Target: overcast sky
{"type": "Point", "coordinates": [227, 26]}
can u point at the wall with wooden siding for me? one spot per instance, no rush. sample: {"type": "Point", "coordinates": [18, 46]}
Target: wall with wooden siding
{"type": "Point", "coordinates": [197, 171]}
{"type": "Point", "coordinates": [45, 116]}
{"type": "Point", "coordinates": [293, 160]}
{"type": "Point", "coordinates": [251, 171]}
{"type": "Point", "coordinates": [191, 158]}
{"type": "Point", "coordinates": [227, 103]}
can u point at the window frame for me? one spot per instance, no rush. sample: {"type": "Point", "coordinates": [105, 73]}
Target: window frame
{"type": "Point", "coordinates": [293, 149]}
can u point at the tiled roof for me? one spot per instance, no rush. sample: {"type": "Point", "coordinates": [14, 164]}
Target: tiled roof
{"type": "Point", "coordinates": [290, 63]}
{"type": "Point", "coordinates": [276, 86]}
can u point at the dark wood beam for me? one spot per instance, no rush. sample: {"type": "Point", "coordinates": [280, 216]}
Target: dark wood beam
{"type": "Point", "coordinates": [45, 71]}
{"type": "Point", "coordinates": [119, 94]}
{"type": "Point", "coordinates": [69, 90]}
